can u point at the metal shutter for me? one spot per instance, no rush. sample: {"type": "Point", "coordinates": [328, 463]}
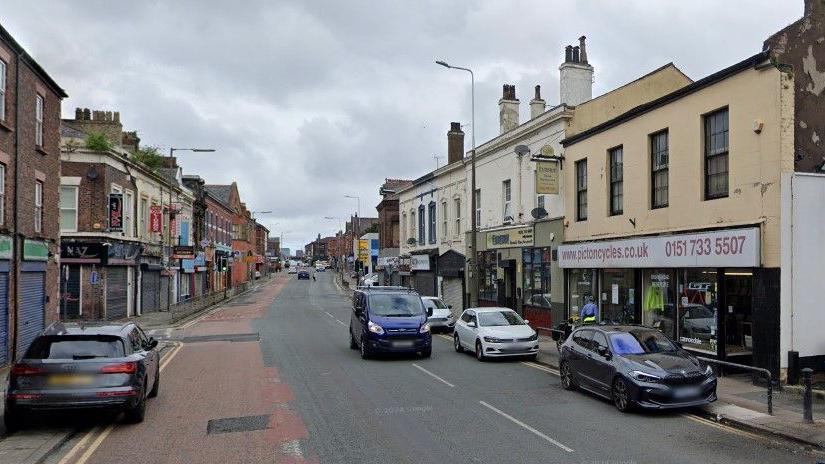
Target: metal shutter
{"type": "Point", "coordinates": [32, 309]}
{"type": "Point", "coordinates": [117, 295]}
{"type": "Point", "coordinates": [150, 291]}
{"type": "Point", "coordinates": [453, 291]}
{"type": "Point", "coordinates": [4, 317]}
{"type": "Point", "coordinates": [424, 283]}
{"type": "Point", "coordinates": [163, 297]}
{"type": "Point", "coordinates": [71, 299]}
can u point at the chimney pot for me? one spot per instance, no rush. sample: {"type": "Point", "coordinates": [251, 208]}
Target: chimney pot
{"type": "Point", "coordinates": [576, 54]}
{"type": "Point", "coordinates": [87, 114]}
{"type": "Point", "coordinates": [538, 92]}
{"type": "Point", "coordinates": [568, 54]}
{"type": "Point", "coordinates": [582, 50]}
{"type": "Point", "coordinates": [537, 105]}
{"type": "Point", "coordinates": [78, 114]}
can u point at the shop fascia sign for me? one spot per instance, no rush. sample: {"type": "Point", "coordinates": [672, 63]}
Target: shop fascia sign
{"type": "Point", "coordinates": [510, 238]}
{"type": "Point", "coordinates": [420, 262]}
{"type": "Point", "coordinates": [722, 248]}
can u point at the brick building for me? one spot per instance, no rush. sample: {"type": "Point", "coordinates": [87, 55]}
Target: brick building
{"type": "Point", "coordinates": [261, 239]}
{"type": "Point", "coordinates": [243, 232]}
{"type": "Point", "coordinates": [219, 237]}
{"type": "Point", "coordinates": [29, 238]}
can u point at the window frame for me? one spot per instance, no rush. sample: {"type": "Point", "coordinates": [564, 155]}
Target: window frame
{"type": "Point", "coordinates": [39, 109]}
{"type": "Point", "coordinates": [2, 194]}
{"type": "Point", "coordinates": [445, 220]}
{"type": "Point", "coordinates": [61, 209]}
{"type": "Point", "coordinates": [615, 169]}
{"type": "Point", "coordinates": [143, 211]}
{"type": "Point", "coordinates": [128, 214]}
{"type": "Point", "coordinates": [478, 207]}
{"type": "Point", "coordinates": [710, 157]}
{"type": "Point", "coordinates": [506, 199]}
{"type": "Point", "coordinates": [3, 87]}
{"type": "Point", "coordinates": [457, 204]}
{"type": "Point", "coordinates": [432, 221]}
{"type": "Point", "coordinates": [658, 169]}
{"type": "Point", "coordinates": [422, 225]}
{"type": "Point", "coordinates": [581, 189]}
{"type": "Point", "coordinates": [38, 206]}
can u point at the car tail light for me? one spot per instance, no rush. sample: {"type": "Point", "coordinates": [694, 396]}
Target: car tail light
{"type": "Point", "coordinates": [121, 368]}
{"type": "Point", "coordinates": [24, 396]}
{"type": "Point", "coordinates": [24, 369]}
{"type": "Point", "coordinates": [111, 394]}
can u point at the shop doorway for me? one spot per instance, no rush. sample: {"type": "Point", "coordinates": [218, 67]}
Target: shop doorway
{"type": "Point", "coordinates": [507, 285]}
{"type": "Point", "coordinates": [738, 320]}
{"type": "Point", "coordinates": [619, 296]}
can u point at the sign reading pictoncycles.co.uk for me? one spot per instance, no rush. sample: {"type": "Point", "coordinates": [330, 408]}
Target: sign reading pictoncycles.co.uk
{"type": "Point", "coordinates": [723, 248]}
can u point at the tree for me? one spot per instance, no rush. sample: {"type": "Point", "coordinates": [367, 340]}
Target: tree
{"type": "Point", "coordinates": [98, 142]}
{"type": "Point", "coordinates": [149, 157]}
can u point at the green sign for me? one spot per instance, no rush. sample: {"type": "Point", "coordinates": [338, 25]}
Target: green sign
{"type": "Point", "coordinates": [34, 250]}
{"type": "Point", "coordinates": [5, 247]}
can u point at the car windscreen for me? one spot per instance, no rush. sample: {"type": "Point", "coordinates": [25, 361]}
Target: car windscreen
{"type": "Point", "coordinates": [396, 305]}
{"type": "Point", "coordinates": [640, 342]}
{"type": "Point", "coordinates": [499, 318]}
{"type": "Point", "coordinates": [437, 304]}
{"type": "Point", "coordinates": [76, 347]}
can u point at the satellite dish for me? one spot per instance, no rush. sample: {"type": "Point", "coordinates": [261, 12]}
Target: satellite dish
{"type": "Point", "coordinates": [411, 241]}
{"type": "Point", "coordinates": [522, 150]}
{"type": "Point", "coordinates": [538, 213]}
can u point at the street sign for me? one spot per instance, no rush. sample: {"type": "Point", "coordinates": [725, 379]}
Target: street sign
{"type": "Point", "coordinates": [93, 278]}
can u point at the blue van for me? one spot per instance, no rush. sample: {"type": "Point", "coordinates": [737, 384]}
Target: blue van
{"type": "Point", "coordinates": [389, 320]}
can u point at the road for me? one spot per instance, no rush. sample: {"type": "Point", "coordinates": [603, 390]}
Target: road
{"type": "Point", "coordinates": [270, 378]}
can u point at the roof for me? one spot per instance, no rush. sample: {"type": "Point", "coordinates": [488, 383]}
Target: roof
{"type": "Point", "coordinates": [68, 131]}
{"type": "Point", "coordinates": [393, 185]}
{"type": "Point", "coordinates": [490, 309]}
{"type": "Point", "coordinates": [35, 67]}
{"type": "Point", "coordinates": [219, 192]}
{"type": "Point", "coordinates": [87, 328]}
{"type": "Point", "coordinates": [640, 110]}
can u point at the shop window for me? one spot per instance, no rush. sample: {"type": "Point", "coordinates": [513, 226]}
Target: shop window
{"type": "Point", "coordinates": [488, 275]}
{"type": "Point", "coordinates": [619, 297]}
{"type": "Point", "coordinates": [698, 309]}
{"type": "Point", "coordinates": [536, 285]}
{"type": "Point", "coordinates": [658, 304]}
{"type": "Point", "coordinates": [581, 286]}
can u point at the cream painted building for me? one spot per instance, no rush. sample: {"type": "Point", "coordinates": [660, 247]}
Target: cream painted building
{"type": "Point", "coordinates": [674, 211]}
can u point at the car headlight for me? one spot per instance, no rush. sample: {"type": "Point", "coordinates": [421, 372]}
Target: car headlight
{"type": "Point", "coordinates": [492, 340]}
{"type": "Point", "coordinates": [424, 328]}
{"type": "Point", "coordinates": [375, 328]}
{"type": "Point", "coordinates": [645, 377]}
{"type": "Point", "coordinates": [533, 338]}
{"type": "Point", "coordinates": [709, 371]}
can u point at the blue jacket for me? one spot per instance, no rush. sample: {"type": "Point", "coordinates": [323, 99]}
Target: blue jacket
{"type": "Point", "coordinates": [590, 309]}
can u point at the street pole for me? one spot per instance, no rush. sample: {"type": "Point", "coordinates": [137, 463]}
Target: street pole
{"type": "Point", "coordinates": [472, 256]}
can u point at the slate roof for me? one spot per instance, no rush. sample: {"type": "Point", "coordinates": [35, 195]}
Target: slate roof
{"type": "Point", "coordinates": [219, 192]}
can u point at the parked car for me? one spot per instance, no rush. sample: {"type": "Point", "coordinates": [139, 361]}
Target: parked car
{"type": "Point", "coordinates": [85, 365]}
{"type": "Point", "coordinates": [495, 332]}
{"type": "Point", "coordinates": [303, 274]}
{"type": "Point", "coordinates": [389, 320]}
{"type": "Point", "coordinates": [369, 280]}
{"type": "Point", "coordinates": [292, 270]}
{"type": "Point", "coordinates": [320, 268]}
{"type": "Point", "coordinates": [442, 317]}
{"type": "Point", "coordinates": [635, 366]}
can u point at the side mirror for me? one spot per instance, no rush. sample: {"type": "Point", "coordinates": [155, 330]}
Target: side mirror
{"type": "Point", "coordinates": [604, 352]}
{"type": "Point", "coordinates": [526, 321]}
{"type": "Point", "coordinates": [449, 306]}
{"type": "Point", "coordinates": [471, 324]}
{"type": "Point", "coordinates": [152, 343]}
{"type": "Point", "coordinates": [429, 312]}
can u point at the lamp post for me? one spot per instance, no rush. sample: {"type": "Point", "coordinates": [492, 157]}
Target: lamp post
{"type": "Point", "coordinates": [172, 151]}
{"type": "Point", "coordinates": [472, 258]}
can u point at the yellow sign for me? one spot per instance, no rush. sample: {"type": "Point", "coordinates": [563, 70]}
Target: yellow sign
{"type": "Point", "coordinates": [511, 238]}
{"type": "Point", "coordinates": [547, 177]}
{"type": "Point", "coordinates": [364, 251]}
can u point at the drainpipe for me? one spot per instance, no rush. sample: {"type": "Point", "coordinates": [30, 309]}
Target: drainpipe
{"type": "Point", "coordinates": [15, 249]}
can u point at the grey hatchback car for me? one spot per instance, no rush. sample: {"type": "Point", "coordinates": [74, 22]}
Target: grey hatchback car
{"type": "Point", "coordinates": [84, 365]}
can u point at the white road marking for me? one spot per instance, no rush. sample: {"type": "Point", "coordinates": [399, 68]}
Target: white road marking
{"type": "Point", "coordinates": [292, 448]}
{"type": "Point", "coordinates": [541, 367]}
{"type": "Point", "coordinates": [525, 426]}
{"type": "Point", "coordinates": [340, 322]}
{"type": "Point", "coordinates": [433, 375]}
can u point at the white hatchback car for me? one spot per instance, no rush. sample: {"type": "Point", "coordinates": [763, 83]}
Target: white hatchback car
{"type": "Point", "coordinates": [442, 317]}
{"type": "Point", "coordinates": [495, 332]}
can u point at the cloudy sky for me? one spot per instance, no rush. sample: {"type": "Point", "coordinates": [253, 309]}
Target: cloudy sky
{"type": "Point", "coordinates": [306, 101]}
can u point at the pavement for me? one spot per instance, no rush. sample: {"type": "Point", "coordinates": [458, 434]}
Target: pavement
{"type": "Point", "coordinates": [269, 377]}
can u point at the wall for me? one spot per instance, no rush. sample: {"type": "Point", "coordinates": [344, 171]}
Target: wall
{"type": "Point", "coordinates": [755, 163]}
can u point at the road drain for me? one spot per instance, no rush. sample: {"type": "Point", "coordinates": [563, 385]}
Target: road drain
{"type": "Point", "coordinates": [237, 424]}
{"type": "Point", "coordinates": [241, 337]}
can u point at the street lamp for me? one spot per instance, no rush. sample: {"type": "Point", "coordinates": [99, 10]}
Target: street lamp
{"type": "Point", "coordinates": [172, 151]}
{"type": "Point", "coordinates": [471, 258]}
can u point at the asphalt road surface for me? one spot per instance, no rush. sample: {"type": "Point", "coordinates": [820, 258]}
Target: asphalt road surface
{"type": "Point", "coordinates": [270, 378]}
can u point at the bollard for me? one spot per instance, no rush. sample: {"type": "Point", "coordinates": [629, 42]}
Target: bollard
{"type": "Point", "coordinates": [807, 406]}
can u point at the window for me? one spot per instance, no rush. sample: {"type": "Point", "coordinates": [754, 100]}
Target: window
{"type": "Point", "coordinates": [142, 227]}
{"type": "Point", "coordinates": [431, 215]}
{"type": "Point", "coordinates": [616, 181]}
{"type": "Point", "coordinates": [444, 220]}
{"type": "Point", "coordinates": [2, 193]}
{"type": "Point", "coordinates": [38, 121]}
{"type": "Point", "coordinates": [128, 214]}
{"type": "Point", "coordinates": [581, 190]}
{"type": "Point", "coordinates": [478, 207]}
{"type": "Point", "coordinates": [421, 228]}
{"type": "Point", "coordinates": [38, 206]}
{"type": "Point", "coordinates": [659, 169]}
{"type": "Point", "coordinates": [412, 224]}
{"type": "Point", "coordinates": [506, 196]}
{"type": "Point", "coordinates": [403, 233]}
{"type": "Point", "coordinates": [3, 69]}
{"type": "Point", "coordinates": [716, 154]}
{"type": "Point", "coordinates": [68, 208]}
{"type": "Point", "coordinates": [457, 215]}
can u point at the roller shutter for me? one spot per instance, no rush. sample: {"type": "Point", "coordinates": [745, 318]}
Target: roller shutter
{"type": "Point", "coordinates": [453, 291]}
{"type": "Point", "coordinates": [32, 309]}
{"type": "Point", "coordinates": [424, 283]}
{"type": "Point", "coordinates": [150, 291]}
{"type": "Point", "coordinates": [117, 294]}
{"type": "Point", "coordinates": [4, 318]}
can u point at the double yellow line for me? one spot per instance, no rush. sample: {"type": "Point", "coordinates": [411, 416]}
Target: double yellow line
{"type": "Point", "coordinates": [96, 432]}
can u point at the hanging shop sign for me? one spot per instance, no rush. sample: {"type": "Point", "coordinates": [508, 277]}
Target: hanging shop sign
{"type": "Point", "coordinates": [420, 262]}
{"type": "Point", "coordinates": [183, 252]}
{"type": "Point", "coordinates": [116, 212]}
{"type": "Point", "coordinates": [723, 248]}
{"type": "Point", "coordinates": [155, 219]}
{"type": "Point", "coordinates": [510, 238]}
{"type": "Point", "coordinates": [547, 177]}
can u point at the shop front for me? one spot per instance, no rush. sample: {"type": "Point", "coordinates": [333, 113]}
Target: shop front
{"type": "Point", "coordinates": [542, 279]}
{"type": "Point", "coordinates": [451, 266]}
{"type": "Point", "coordinates": [423, 267]}
{"type": "Point", "coordinates": [500, 266]}
{"type": "Point", "coordinates": [698, 288]}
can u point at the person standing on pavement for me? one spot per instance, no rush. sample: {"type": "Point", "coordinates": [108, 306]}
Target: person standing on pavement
{"type": "Point", "coordinates": [590, 312]}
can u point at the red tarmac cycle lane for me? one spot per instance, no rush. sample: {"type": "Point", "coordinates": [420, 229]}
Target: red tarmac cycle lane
{"type": "Point", "coordinates": [223, 382]}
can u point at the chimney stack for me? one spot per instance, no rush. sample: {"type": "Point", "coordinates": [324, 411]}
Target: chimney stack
{"type": "Point", "coordinates": [575, 75]}
{"type": "Point", "coordinates": [98, 122]}
{"type": "Point", "coordinates": [537, 104]}
{"type": "Point", "coordinates": [508, 108]}
{"type": "Point", "coordinates": [455, 143]}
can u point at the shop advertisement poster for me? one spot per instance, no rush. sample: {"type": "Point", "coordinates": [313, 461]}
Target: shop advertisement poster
{"type": "Point", "coordinates": [155, 222]}
{"type": "Point", "coordinates": [420, 262]}
{"type": "Point", "coordinates": [115, 212]}
{"type": "Point", "coordinates": [722, 248]}
{"type": "Point", "coordinates": [510, 238]}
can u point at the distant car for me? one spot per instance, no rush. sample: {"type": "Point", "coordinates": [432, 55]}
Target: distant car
{"type": "Point", "coordinates": [303, 274]}
{"type": "Point", "coordinates": [320, 269]}
{"type": "Point", "coordinates": [85, 365]}
{"type": "Point", "coordinates": [442, 317]}
{"type": "Point", "coordinates": [292, 270]}
{"type": "Point", "coordinates": [635, 366]}
{"type": "Point", "coordinates": [257, 274]}
{"type": "Point", "coordinates": [495, 332]}
{"type": "Point", "coordinates": [369, 280]}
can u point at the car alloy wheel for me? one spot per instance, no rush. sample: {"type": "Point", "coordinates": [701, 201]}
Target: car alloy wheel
{"type": "Point", "coordinates": [364, 351]}
{"type": "Point", "coordinates": [457, 344]}
{"type": "Point", "coordinates": [479, 351]}
{"type": "Point", "coordinates": [566, 376]}
{"type": "Point", "coordinates": [621, 395]}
